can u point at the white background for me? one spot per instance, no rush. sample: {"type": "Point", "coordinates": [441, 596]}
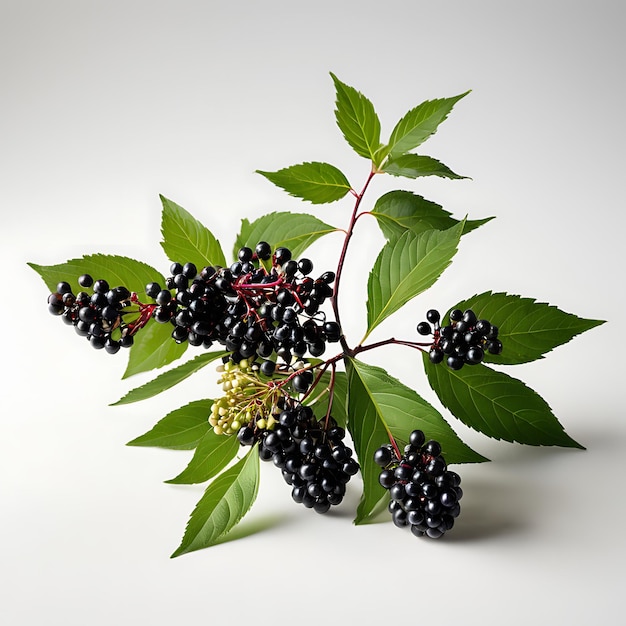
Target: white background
{"type": "Point", "coordinates": [106, 105]}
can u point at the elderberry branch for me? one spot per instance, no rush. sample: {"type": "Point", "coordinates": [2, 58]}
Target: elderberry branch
{"type": "Point", "coordinates": [344, 249]}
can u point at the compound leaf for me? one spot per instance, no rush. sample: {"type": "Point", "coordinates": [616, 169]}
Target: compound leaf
{"type": "Point", "coordinates": [357, 120]}
{"type": "Point", "coordinates": [497, 405]}
{"type": "Point", "coordinates": [399, 211]}
{"type": "Point", "coordinates": [319, 183]}
{"type": "Point", "coordinates": [226, 500]}
{"type": "Point", "coordinates": [528, 329]}
{"type": "Point", "coordinates": [406, 267]}
{"type": "Point", "coordinates": [181, 429]}
{"type": "Point", "coordinates": [185, 239]}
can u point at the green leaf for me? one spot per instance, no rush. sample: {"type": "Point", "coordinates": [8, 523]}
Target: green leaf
{"type": "Point", "coordinates": [316, 182]}
{"type": "Point", "coordinates": [416, 165]}
{"type": "Point", "coordinates": [169, 379]}
{"type": "Point", "coordinates": [153, 345]}
{"type": "Point", "coordinates": [226, 500]}
{"type": "Point", "coordinates": [116, 270]}
{"type": "Point", "coordinates": [387, 410]}
{"type": "Point", "coordinates": [340, 395]}
{"type": "Point", "coordinates": [369, 432]}
{"type": "Point", "coordinates": [403, 410]}
{"type": "Point", "coordinates": [399, 211]}
{"type": "Point", "coordinates": [296, 231]}
{"type": "Point", "coordinates": [153, 348]}
{"type": "Point", "coordinates": [213, 454]}
{"type": "Point", "coordinates": [406, 267]}
{"type": "Point", "coordinates": [185, 239]}
{"type": "Point", "coordinates": [419, 124]}
{"type": "Point", "coordinates": [527, 329]}
{"type": "Point", "coordinates": [497, 405]}
{"type": "Point", "coordinates": [357, 120]}
{"type": "Point", "coordinates": [181, 429]}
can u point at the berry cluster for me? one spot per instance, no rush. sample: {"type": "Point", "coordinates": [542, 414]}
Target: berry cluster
{"type": "Point", "coordinates": [424, 493]}
{"type": "Point", "coordinates": [311, 454]}
{"type": "Point", "coordinates": [252, 310]}
{"type": "Point", "coordinates": [464, 341]}
{"type": "Point", "coordinates": [97, 315]}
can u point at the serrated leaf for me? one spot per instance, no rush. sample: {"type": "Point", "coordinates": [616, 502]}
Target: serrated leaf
{"type": "Point", "coordinates": [116, 270]}
{"type": "Point", "coordinates": [181, 429]}
{"type": "Point", "coordinates": [386, 409]}
{"type": "Point", "coordinates": [212, 455]}
{"type": "Point", "coordinates": [419, 124]}
{"type": "Point", "coordinates": [416, 165]}
{"type": "Point", "coordinates": [226, 500]}
{"type": "Point", "coordinates": [368, 431]}
{"type": "Point", "coordinates": [528, 329]}
{"type": "Point", "coordinates": [316, 182]}
{"type": "Point", "coordinates": [153, 348]}
{"type": "Point", "coordinates": [169, 379]}
{"type": "Point", "coordinates": [185, 239]}
{"type": "Point", "coordinates": [399, 211]}
{"type": "Point", "coordinates": [497, 405]}
{"type": "Point", "coordinates": [406, 267]}
{"type": "Point", "coordinates": [357, 120]}
{"type": "Point", "coordinates": [296, 231]}
{"type": "Point", "coordinates": [403, 410]}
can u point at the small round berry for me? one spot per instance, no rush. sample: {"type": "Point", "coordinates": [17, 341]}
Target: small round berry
{"type": "Point", "coordinates": [455, 362]}
{"type": "Point", "coordinates": [282, 255]}
{"type": "Point", "coordinates": [305, 266]}
{"type": "Point", "coordinates": [85, 280]}
{"type": "Point", "coordinates": [263, 250]}
{"type": "Point", "coordinates": [456, 315]}
{"type": "Point", "coordinates": [433, 316]}
{"type": "Point", "coordinates": [469, 317]}
{"type": "Point", "coordinates": [432, 447]}
{"type": "Point", "coordinates": [483, 327]}
{"type": "Point", "coordinates": [435, 355]}
{"type": "Point", "coordinates": [494, 346]}
{"type": "Point", "coordinates": [101, 286]}
{"type": "Point", "coordinates": [474, 355]}
{"type": "Point", "coordinates": [153, 290]}
{"type": "Point", "coordinates": [267, 368]}
{"type": "Point", "coordinates": [244, 254]}
{"type": "Point", "coordinates": [417, 438]}
{"type": "Point", "coordinates": [189, 270]}
{"type": "Point", "coordinates": [383, 456]}
{"type": "Point", "coordinates": [423, 328]}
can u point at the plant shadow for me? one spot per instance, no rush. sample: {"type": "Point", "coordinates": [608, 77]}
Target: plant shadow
{"type": "Point", "coordinates": [254, 526]}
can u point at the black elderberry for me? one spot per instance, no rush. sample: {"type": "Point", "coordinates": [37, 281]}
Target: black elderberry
{"type": "Point", "coordinates": [85, 280]}
{"type": "Point", "coordinates": [263, 250]}
{"type": "Point", "coordinates": [424, 494]}
{"type": "Point", "coordinates": [423, 328]}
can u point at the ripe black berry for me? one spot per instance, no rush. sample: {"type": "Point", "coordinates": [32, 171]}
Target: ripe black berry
{"type": "Point", "coordinates": [424, 494]}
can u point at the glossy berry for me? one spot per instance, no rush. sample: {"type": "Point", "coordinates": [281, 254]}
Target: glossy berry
{"type": "Point", "coordinates": [464, 341]}
{"type": "Point", "coordinates": [424, 494]}
{"type": "Point", "coordinates": [313, 460]}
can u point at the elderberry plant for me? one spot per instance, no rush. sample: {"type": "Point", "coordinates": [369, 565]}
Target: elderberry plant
{"type": "Point", "coordinates": [292, 384]}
